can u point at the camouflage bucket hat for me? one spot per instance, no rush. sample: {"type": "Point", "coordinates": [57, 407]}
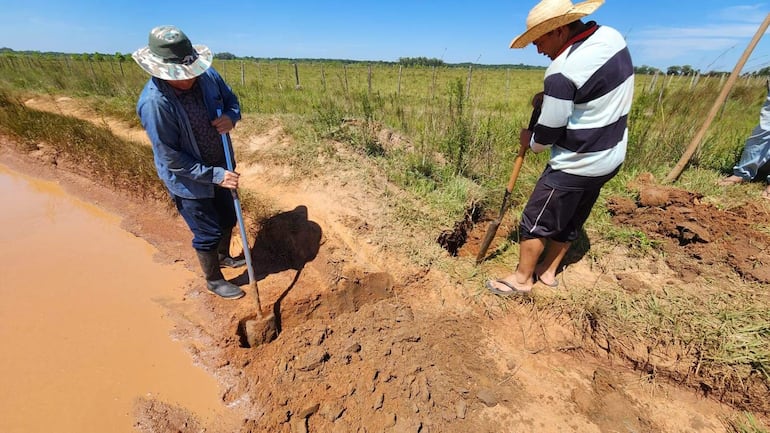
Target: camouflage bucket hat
{"type": "Point", "coordinates": [169, 55]}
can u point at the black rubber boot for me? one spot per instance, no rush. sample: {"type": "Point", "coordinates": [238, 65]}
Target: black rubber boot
{"type": "Point", "coordinates": [225, 260]}
{"type": "Point", "coordinates": [215, 281]}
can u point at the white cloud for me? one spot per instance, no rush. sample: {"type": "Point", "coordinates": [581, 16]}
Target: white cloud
{"type": "Point", "coordinates": [698, 52]}
{"type": "Point", "coordinates": [730, 30]}
{"type": "Point", "coordinates": [743, 13]}
{"type": "Point", "coordinates": [722, 35]}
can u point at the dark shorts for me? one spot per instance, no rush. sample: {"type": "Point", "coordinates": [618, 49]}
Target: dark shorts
{"type": "Point", "coordinates": [556, 214]}
{"type": "Point", "coordinates": [208, 218]}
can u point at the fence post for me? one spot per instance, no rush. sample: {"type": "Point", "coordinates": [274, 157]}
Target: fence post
{"type": "Point", "coordinates": [369, 79]}
{"type": "Point", "coordinates": [398, 88]}
{"type": "Point", "coordinates": [259, 75]}
{"type": "Point", "coordinates": [278, 77]}
{"type": "Point", "coordinates": [468, 87]}
{"type": "Point", "coordinates": [433, 83]}
{"type": "Point", "coordinates": [323, 78]}
{"type": "Point", "coordinates": [670, 79]}
{"type": "Point", "coordinates": [93, 73]}
{"type": "Point", "coordinates": [345, 71]}
{"type": "Point", "coordinates": [243, 75]}
{"type": "Point", "coordinates": [507, 80]}
{"type": "Point", "coordinates": [660, 95]}
{"type": "Point", "coordinates": [296, 77]}
{"type": "Point", "coordinates": [653, 82]}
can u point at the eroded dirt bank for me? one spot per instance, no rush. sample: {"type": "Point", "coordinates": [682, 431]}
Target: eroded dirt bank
{"type": "Point", "coordinates": [372, 342]}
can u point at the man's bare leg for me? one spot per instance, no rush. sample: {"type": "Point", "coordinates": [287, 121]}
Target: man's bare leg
{"type": "Point", "coordinates": [554, 254]}
{"type": "Point", "coordinates": [521, 279]}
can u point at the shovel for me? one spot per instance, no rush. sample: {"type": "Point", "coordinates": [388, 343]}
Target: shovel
{"type": "Point", "coordinates": [261, 328]}
{"type": "Point", "coordinates": [508, 189]}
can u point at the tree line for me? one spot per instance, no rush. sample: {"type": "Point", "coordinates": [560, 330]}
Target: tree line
{"type": "Point", "coordinates": [683, 70]}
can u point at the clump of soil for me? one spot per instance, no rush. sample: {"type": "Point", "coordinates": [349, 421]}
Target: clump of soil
{"type": "Point", "coordinates": [699, 239]}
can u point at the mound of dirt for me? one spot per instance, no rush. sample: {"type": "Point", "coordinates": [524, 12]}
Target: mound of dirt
{"type": "Point", "coordinates": [384, 366]}
{"type": "Point", "coordinates": [699, 239]}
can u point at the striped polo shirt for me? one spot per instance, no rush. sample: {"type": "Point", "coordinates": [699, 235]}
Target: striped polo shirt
{"type": "Point", "coordinates": [588, 91]}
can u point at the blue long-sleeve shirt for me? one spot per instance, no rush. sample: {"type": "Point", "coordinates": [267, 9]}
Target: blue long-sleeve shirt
{"type": "Point", "coordinates": [177, 156]}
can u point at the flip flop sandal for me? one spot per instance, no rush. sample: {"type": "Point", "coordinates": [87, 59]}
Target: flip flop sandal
{"type": "Point", "coordinates": [554, 285]}
{"type": "Point", "coordinates": [513, 291]}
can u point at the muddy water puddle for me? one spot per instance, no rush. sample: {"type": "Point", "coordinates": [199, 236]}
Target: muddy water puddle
{"type": "Point", "coordinates": [82, 330]}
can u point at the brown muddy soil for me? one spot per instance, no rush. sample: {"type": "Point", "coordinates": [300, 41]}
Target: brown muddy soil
{"type": "Point", "coordinates": [697, 238]}
{"type": "Point", "coordinates": [370, 341]}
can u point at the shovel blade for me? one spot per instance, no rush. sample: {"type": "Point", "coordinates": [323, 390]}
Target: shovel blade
{"type": "Point", "coordinates": [257, 330]}
{"type": "Point", "coordinates": [487, 240]}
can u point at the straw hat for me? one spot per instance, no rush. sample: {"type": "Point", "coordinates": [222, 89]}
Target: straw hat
{"type": "Point", "coordinates": [169, 55]}
{"type": "Point", "coordinates": [552, 14]}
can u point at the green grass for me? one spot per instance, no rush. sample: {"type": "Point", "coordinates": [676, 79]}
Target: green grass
{"type": "Point", "coordinates": [747, 423]}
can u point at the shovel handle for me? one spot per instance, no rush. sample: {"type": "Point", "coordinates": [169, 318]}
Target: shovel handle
{"type": "Point", "coordinates": [237, 204]}
{"type": "Point", "coordinates": [508, 190]}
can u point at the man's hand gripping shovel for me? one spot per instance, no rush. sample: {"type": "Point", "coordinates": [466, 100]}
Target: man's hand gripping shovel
{"type": "Point", "coordinates": [261, 328]}
{"type": "Point", "coordinates": [508, 189]}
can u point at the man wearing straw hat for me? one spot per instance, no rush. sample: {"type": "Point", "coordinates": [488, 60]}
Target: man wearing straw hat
{"type": "Point", "coordinates": [178, 110]}
{"type": "Point", "coordinates": [586, 98]}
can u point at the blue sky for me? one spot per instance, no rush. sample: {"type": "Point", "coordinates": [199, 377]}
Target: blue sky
{"type": "Point", "coordinates": [707, 34]}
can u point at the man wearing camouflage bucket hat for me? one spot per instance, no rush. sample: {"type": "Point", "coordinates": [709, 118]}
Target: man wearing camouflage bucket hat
{"type": "Point", "coordinates": [178, 108]}
{"type": "Point", "coordinates": [586, 98]}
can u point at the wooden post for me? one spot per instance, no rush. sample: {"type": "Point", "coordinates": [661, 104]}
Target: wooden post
{"type": "Point", "coordinates": [243, 75]}
{"type": "Point", "coordinates": [398, 90]}
{"type": "Point", "coordinates": [296, 77]}
{"type": "Point", "coordinates": [323, 78]}
{"type": "Point", "coordinates": [259, 75]}
{"type": "Point", "coordinates": [693, 146]}
{"type": "Point", "coordinates": [277, 77]}
{"type": "Point", "coordinates": [670, 79]}
{"type": "Point", "coordinates": [468, 86]}
{"type": "Point", "coordinates": [93, 72]}
{"type": "Point", "coordinates": [369, 78]}
{"type": "Point", "coordinates": [433, 83]}
{"type": "Point", "coordinates": [653, 82]}
{"type": "Point", "coordinates": [345, 71]}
